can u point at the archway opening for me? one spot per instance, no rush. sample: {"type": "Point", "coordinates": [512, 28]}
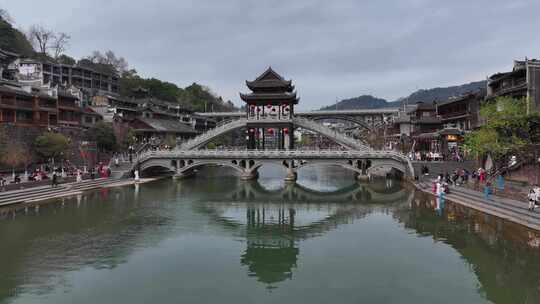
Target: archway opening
{"type": "Point", "coordinates": [327, 177]}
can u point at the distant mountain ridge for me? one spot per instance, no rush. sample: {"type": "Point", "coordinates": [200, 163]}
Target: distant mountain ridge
{"type": "Point", "coordinates": [423, 95]}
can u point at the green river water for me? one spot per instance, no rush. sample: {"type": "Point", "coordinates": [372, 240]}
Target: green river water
{"type": "Point", "coordinates": [216, 239]}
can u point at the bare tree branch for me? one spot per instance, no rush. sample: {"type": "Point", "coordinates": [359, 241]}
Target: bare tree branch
{"type": "Point", "coordinates": [109, 58]}
{"type": "Point", "coordinates": [6, 16]}
{"type": "Point", "coordinates": [40, 37]}
{"type": "Point", "coordinates": [60, 44]}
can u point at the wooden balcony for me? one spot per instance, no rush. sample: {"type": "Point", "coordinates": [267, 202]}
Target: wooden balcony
{"type": "Point", "coordinates": [25, 104]}
{"type": "Point", "coordinates": [68, 104]}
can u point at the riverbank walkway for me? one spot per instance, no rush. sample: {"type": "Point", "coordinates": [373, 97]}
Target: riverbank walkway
{"type": "Point", "coordinates": [41, 193]}
{"type": "Point", "coordinates": [509, 209]}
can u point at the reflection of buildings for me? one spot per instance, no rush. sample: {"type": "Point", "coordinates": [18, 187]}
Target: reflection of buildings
{"type": "Point", "coordinates": [270, 254]}
{"type": "Point", "coordinates": [274, 222]}
{"type": "Point", "coordinates": [504, 256]}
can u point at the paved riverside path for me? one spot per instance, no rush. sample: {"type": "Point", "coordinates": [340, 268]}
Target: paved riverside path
{"type": "Point", "coordinates": [41, 193]}
{"type": "Point", "coordinates": [509, 209]}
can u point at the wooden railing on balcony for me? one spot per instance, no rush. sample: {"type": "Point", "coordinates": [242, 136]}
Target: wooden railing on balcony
{"type": "Point", "coordinates": [47, 104]}
{"type": "Point", "coordinates": [452, 114]}
{"type": "Point", "coordinates": [67, 104]}
{"type": "Point", "coordinates": [7, 101]}
{"type": "Point", "coordinates": [28, 104]}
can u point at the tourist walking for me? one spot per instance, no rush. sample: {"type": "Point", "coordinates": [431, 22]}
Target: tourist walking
{"type": "Point", "coordinates": [79, 176]}
{"type": "Point", "coordinates": [54, 181]}
{"type": "Point", "coordinates": [532, 199]}
{"type": "Point", "coordinates": [536, 195]}
{"type": "Point", "coordinates": [2, 183]}
{"type": "Point", "coordinates": [487, 191]}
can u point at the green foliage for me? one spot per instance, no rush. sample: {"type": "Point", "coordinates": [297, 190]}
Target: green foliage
{"type": "Point", "coordinates": [507, 129]}
{"type": "Point", "coordinates": [13, 40]}
{"type": "Point", "coordinates": [195, 96]}
{"type": "Point", "coordinates": [65, 59]}
{"type": "Point", "coordinates": [3, 142]}
{"type": "Point", "coordinates": [102, 133]}
{"type": "Point", "coordinates": [15, 155]}
{"type": "Point", "coordinates": [306, 141]}
{"type": "Point", "coordinates": [129, 138]}
{"type": "Point", "coordinates": [170, 141]}
{"type": "Point", "coordinates": [51, 145]}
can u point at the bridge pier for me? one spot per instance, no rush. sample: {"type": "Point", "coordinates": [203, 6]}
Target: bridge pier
{"type": "Point", "coordinates": [183, 175]}
{"type": "Point", "coordinates": [292, 175]}
{"type": "Point", "coordinates": [362, 177]}
{"type": "Point", "coordinates": [249, 175]}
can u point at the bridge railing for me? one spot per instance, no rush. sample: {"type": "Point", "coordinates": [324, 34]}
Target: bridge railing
{"type": "Point", "coordinates": [220, 128]}
{"type": "Point", "coordinates": [215, 153]}
{"type": "Point", "coordinates": [339, 137]}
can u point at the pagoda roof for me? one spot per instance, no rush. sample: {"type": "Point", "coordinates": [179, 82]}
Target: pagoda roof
{"type": "Point", "coordinates": [277, 97]}
{"type": "Point", "coordinates": [270, 79]}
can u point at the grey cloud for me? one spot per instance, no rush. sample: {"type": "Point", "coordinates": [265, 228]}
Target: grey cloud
{"type": "Point", "coordinates": [329, 48]}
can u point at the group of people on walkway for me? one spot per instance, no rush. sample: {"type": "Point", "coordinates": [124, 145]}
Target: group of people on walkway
{"type": "Point", "coordinates": [534, 197]}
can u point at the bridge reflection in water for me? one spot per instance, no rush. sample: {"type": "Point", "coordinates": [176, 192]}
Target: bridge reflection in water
{"type": "Point", "coordinates": [273, 222]}
{"type": "Point", "coordinates": [273, 240]}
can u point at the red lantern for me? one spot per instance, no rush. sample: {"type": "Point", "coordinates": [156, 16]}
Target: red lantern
{"type": "Point", "coordinates": [270, 131]}
{"type": "Point", "coordinates": [286, 130]}
{"type": "Point", "coordinates": [251, 130]}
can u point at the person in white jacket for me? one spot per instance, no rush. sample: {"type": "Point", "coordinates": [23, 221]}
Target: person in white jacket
{"type": "Point", "coordinates": [537, 195]}
{"type": "Point", "coordinates": [532, 199]}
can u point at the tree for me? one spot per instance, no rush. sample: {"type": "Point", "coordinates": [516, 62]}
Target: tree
{"type": "Point", "coordinates": [508, 130]}
{"type": "Point", "coordinates": [3, 142]}
{"type": "Point", "coordinates": [102, 133]}
{"type": "Point", "coordinates": [15, 155]}
{"type": "Point", "coordinates": [51, 145]}
{"type": "Point", "coordinates": [41, 38]}
{"type": "Point", "coordinates": [128, 138]}
{"type": "Point", "coordinates": [4, 15]}
{"type": "Point", "coordinates": [119, 64]}
{"type": "Point", "coordinates": [65, 59]}
{"type": "Point", "coordinates": [170, 141]}
{"type": "Point", "coordinates": [13, 40]}
{"type": "Point", "coordinates": [59, 44]}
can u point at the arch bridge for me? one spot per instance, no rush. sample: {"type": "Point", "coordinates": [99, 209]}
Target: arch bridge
{"type": "Point", "coordinates": [366, 118]}
{"type": "Point", "coordinates": [247, 162]}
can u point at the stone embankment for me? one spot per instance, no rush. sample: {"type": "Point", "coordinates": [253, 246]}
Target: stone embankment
{"type": "Point", "coordinates": [508, 209]}
{"type": "Point", "coordinates": [42, 193]}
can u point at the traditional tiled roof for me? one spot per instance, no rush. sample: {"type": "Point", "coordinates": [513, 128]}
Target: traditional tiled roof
{"type": "Point", "coordinates": [13, 88]}
{"type": "Point", "coordinates": [277, 97]}
{"type": "Point", "coordinates": [466, 96]}
{"type": "Point", "coordinates": [164, 125]}
{"type": "Point", "coordinates": [450, 131]}
{"type": "Point", "coordinates": [270, 80]}
{"type": "Point", "coordinates": [67, 94]}
{"type": "Point", "coordinates": [90, 111]}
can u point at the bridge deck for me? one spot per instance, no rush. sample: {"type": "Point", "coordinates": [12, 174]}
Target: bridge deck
{"type": "Point", "coordinates": [271, 154]}
{"type": "Point", "coordinates": [312, 113]}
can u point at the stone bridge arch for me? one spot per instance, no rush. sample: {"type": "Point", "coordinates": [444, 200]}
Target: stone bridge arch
{"type": "Point", "coordinates": [354, 120]}
{"type": "Point", "coordinates": [309, 124]}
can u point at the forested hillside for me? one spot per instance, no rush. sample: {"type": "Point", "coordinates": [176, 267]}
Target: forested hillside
{"type": "Point", "coordinates": [429, 95]}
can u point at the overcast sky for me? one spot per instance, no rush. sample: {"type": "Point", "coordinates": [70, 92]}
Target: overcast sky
{"type": "Point", "coordinates": [331, 49]}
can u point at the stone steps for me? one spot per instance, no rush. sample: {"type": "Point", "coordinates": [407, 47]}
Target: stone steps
{"type": "Point", "coordinates": [35, 194]}
{"type": "Point", "coordinates": [500, 207]}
